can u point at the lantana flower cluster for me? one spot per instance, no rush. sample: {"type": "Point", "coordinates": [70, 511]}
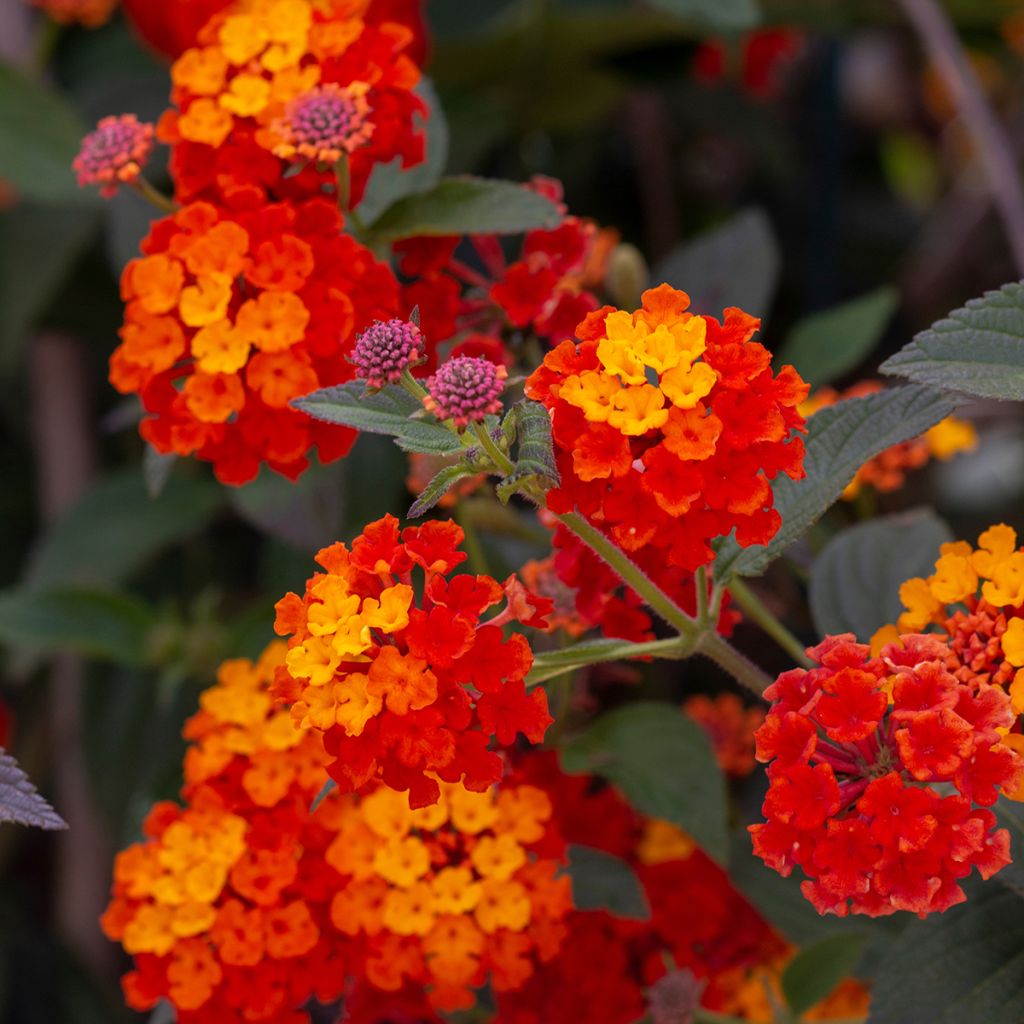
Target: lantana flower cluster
{"type": "Point", "coordinates": [975, 598]}
{"type": "Point", "coordinates": [881, 774]}
{"type": "Point", "coordinates": [888, 470]}
{"type": "Point", "coordinates": [244, 904]}
{"type": "Point", "coordinates": [669, 427]}
{"type": "Point", "coordinates": [232, 314]}
{"type": "Point", "coordinates": [410, 690]}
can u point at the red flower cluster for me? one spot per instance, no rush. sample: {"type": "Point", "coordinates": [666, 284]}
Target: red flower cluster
{"type": "Point", "coordinates": [546, 291]}
{"type": "Point", "coordinates": [669, 427]}
{"type": "Point", "coordinates": [232, 314]}
{"type": "Point", "coordinates": [409, 691]}
{"type": "Point", "coordinates": [857, 748]}
{"type": "Point", "coordinates": [761, 64]}
{"type": "Point", "coordinates": [730, 727]}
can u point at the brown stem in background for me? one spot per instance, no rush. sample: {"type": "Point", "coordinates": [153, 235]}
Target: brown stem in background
{"type": "Point", "coordinates": [944, 49]}
{"type": "Point", "coordinates": [62, 433]}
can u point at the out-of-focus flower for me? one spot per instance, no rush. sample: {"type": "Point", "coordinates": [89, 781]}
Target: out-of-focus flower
{"type": "Point", "coordinates": [6, 724]}
{"type": "Point", "coordinates": [88, 13]}
{"type": "Point", "coordinates": [670, 427]}
{"type": "Point", "coordinates": [877, 770]}
{"type": "Point", "coordinates": [730, 727]}
{"type": "Point", "coordinates": [403, 689]}
{"type": "Point", "coordinates": [763, 59]}
{"type": "Point", "coordinates": [114, 153]}
{"type": "Point", "coordinates": [887, 471]}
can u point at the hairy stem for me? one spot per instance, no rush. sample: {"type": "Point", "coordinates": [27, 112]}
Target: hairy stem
{"type": "Point", "coordinates": [945, 51]}
{"type": "Point", "coordinates": [145, 188]}
{"type": "Point", "coordinates": [756, 611]}
{"type": "Point", "coordinates": [498, 457]}
{"type": "Point", "coordinates": [557, 663]}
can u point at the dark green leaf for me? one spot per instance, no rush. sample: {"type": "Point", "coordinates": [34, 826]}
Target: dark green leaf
{"type": "Point", "coordinates": [39, 138]}
{"type": "Point", "coordinates": [96, 623]}
{"type": "Point", "coordinates": [978, 349]}
{"type": "Point", "coordinates": [1011, 817]}
{"type": "Point", "coordinates": [855, 581]}
{"type": "Point", "coordinates": [827, 345]}
{"type": "Point", "coordinates": [964, 965]}
{"type": "Point", "coordinates": [816, 970]}
{"type": "Point", "coordinates": [438, 487]}
{"type": "Point", "coordinates": [840, 439]}
{"type": "Point", "coordinates": [723, 15]}
{"type": "Point", "coordinates": [466, 205]}
{"type": "Point", "coordinates": [90, 545]}
{"type": "Point", "coordinates": [390, 182]}
{"type": "Point", "coordinates": [535, 458]}
{"type": "Point", "coordinates": [385, 412]}
{"type": "Point", "coordinates": [601, 881]}
{"type": "Point", "coordinates": [20, 802]}
{"type": "Point", "coordinates": [735, 264]}
{"type": "Point", "coordinates": [38, 247]}
{"type": "Point", "coordinates": [157, 469]}
{"type": "Point", "coordinates": [663, 763]}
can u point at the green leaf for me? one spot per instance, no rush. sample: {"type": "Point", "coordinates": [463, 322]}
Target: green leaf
{"type": "Point", "coordinates": [815, 971]}
{"type": "Point", "coordinates": [855, 581]}
{"type": "Point", "coordinates": [38, 247]}
{"type": "Point", "coordinates": [95, 623]}
{"type": "Point", "coordinates": [466, 206]}
{"type": "Point", "coordinates": [157, 469]}
{"type": "Point", "coordinates": [1011, 817]}
{"type": "Point", "coordinates": [664, 765]}
{"type": "Point", "coordinates": [602, 881]}
{"type": "Point", "coordinates": [723, 15]}
{"type": "Point", "coordinates": [964, 965]}
{"type": "Point", "coordinates": [439, 486]}
{"type": "Point", "coordinates": [735, 264]}
{"type": "Point", "coordinates": [978, 349]}
{"type": "Point", "coordinates": [39, 138]}
{"type": "Point", "coordinates": [390, 182]}
{"type": "Point", "coordinates": [827, 345]}
{"type": "Point", "coordinates": [530, 423]}
{"type": "Point", "coordinates": [840, 439]}
{"type": "Point", "coordinates": [387, 411]}
{"type": "Point", "coordinates": [115, 528]}
{"type": "Point", "coordinates": [20, 802]}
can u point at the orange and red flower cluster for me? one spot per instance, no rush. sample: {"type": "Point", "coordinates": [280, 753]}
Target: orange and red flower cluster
{"type": "Point", "coordinates": [887, 471]}
{"type": "Point", "coordinates": [232, 314]}
{"type": "Point", "coordinates": [669, 427]}
{"type": "Point", "coordinates": [406, 691]}
{"type": "Point", "coordinates": [975, 597]}
{"type": "Point", "coordinates": [244, 904]}
{"type": "Point", "coordinates": [862, 752]}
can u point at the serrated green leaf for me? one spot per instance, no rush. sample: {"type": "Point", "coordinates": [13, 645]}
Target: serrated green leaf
{"type": "Point", "coordinates": [602, 881]}
{"type": "Point", "coordinates": [387, 411]}
{"type": "Point", "coordinates": [855, 581]}
{"type": "Point", "coordinates": [816, 970]}
{"type": "Point", "coordinates": [95, 623]}
{"type": "Point", "coordinates": [91, 546]}
{"type": "Point", "coordinates": [964, 965]}
{"type": "Point", "coordinates": [840, 439]}
{"type": "Point", "coordinates": [664, 765]}
{"type": "Point", "coordinates": [39, 137]}
{"type": "Point", "coordinates": [826, 345]}
{"type": "Point", "coordinates": [723, 15]}
{"type": "Point", "coordinates": [464, 206]}
{"type": "Point", "coordinates": [438, 487]}
{"type": "Point", "coordinates": [734, 264]}
{"type": "Point", "coordinates": [978, 349]}
{"type": "Point", "coordinates": [20, 802]}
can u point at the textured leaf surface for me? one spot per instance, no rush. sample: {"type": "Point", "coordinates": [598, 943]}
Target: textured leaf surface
{"type": "Point", "coordinates": [840, 439]}
{"type": "Point", "coordinates": [601, 881]}
{"type": "Point", "coordinates": [466, 205]}
{"type": "Point", "coordinates": [962, 966]}
{"type": "Point", "coordinates": [438, 487]}
{"type": "Point", "coordinates": [664, 765]}
{"type": "Point", "coordinates": [855, 581]}
{"type": "Point", "coordinates": [20, 802]}
{"type": "Point", "coordinates": [978, 349]}
{"type": "Point", "coordinates": [816, 970]}
{"type": "Point", "coordinates": [384, 412]}
{"type": "Point", "coordinates": [828, 344]}
{"type": "Point", "coordinates": [530, 423]}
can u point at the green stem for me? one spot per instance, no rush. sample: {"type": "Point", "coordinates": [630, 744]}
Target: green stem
{"type": "Point", "coordinates": [737, 665]}
{"type": "Point", "coordinates": [756, 611]}
{"type": "Point", "coordinates": [700, 585]}
{"type": "Point", "coordinates": [153, 195]}
{"type": "Point", "coordinates": [498, 457]}
{"type": "Point", "coordinates": [558, 663]}
{"type": "Point", "coordinates": [632, 575]}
